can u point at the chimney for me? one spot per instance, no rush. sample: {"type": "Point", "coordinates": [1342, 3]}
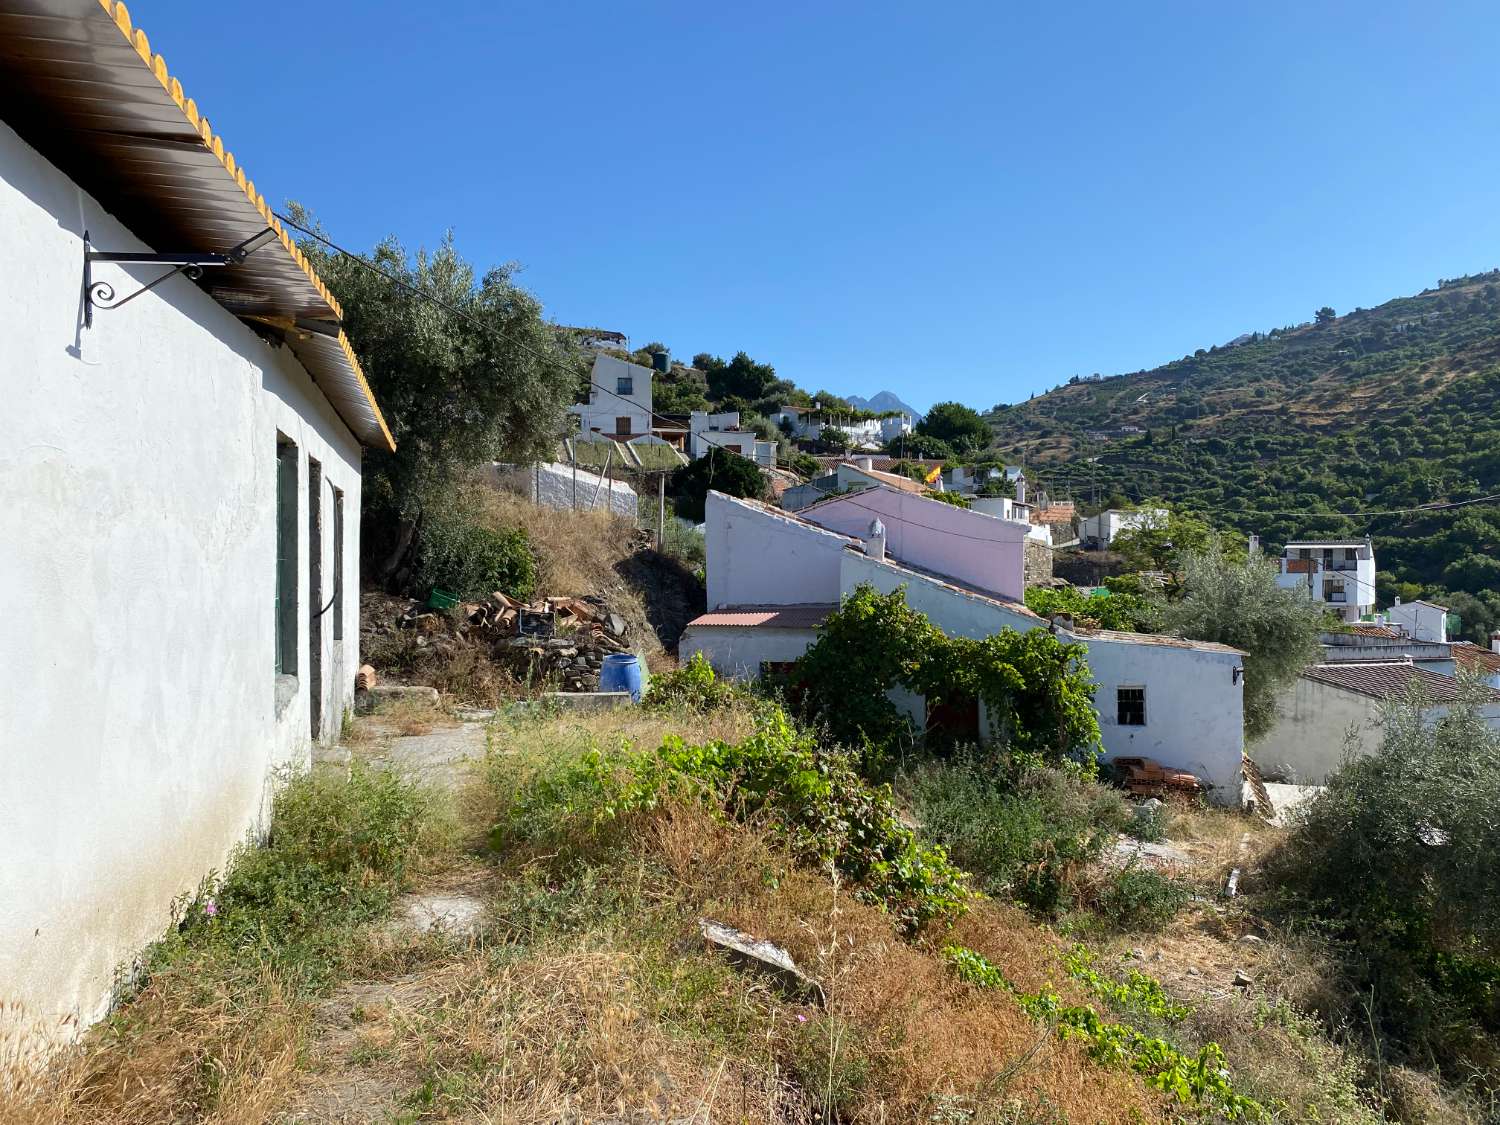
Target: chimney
{"type": "Point", "coordinates": [1495, 641]}
{"type": "Point", "coordinates": [1397, 601]}
{"type": "Point", "coordinates": [866, 463]}
{"type": "Point", "coordinates": [1020, 490]}
{"type": "Point", "coordinates": [875, 540]}
{"type": "Point", "coordinates": [1254, 546]}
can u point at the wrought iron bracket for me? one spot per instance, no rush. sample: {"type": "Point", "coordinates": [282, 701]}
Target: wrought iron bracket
{"type": "Point", "coordinates": [101, 294]}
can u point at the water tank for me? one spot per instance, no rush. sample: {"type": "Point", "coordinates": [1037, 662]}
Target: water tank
{"type": "Point", "coordinates": [661, 361]}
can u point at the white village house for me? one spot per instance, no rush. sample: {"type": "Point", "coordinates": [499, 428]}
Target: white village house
{"type": "Point", "coordinates": [1336, 708]}
{"type": "Point", "coordinates": [179, 503]}
{"type": "Point", "coordinates": [774, 576]}
{"type": "Point", "coordinates": [1099, 530]}
{"type": "Point", "coordinates": [1340, 573]}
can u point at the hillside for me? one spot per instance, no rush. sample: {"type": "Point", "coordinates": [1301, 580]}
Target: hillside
{"type": "Point", "coordinates": [1381, 409]}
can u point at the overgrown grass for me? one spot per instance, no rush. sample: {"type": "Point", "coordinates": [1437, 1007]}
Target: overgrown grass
{"type": "Point", "coordinates": [216, 1017]}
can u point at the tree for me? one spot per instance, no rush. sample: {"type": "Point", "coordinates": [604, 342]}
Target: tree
{"type": "Point", "coordinates": [921, 446]}
{"type": "Point", "coordinates": [457, 391]}
{"type": "Point", "coordinates": [1325, 315]}
{"type": "Point", "coordinates": [721, 471]}
{"type": "Point", "coordinates": [1398, 861]}
{"type": "Point", "coordinates": [741, 377]}
{"type": "Point", "coordinates": [958, 425]}
{"type": "Point", "coordinates": [1159, 543]}
{"type": "Point", "coordinates": [1238, 603]}
{"type": "Point", "coordinates": [831, 437]}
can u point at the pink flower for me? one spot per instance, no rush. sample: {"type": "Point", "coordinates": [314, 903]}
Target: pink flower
{"type": "Point", "coordinates": [210, 908]}
{"type": "Point", "coordinates": [801, 1018]}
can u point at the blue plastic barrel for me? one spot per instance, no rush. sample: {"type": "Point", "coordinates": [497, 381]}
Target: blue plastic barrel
{"type": "Point", "coordinates": [621, 672]}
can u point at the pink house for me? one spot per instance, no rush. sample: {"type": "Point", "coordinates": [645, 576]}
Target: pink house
{"type": "Point", "coordinates": [979, 550]}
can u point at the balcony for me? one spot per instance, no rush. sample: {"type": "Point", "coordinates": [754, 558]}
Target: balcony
{"type": "Point", "coordinates": [1338, 597]}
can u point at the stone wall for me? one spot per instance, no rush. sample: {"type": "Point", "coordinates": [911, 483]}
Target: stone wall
{"type": "Point", "coordinates": [1038, 561]}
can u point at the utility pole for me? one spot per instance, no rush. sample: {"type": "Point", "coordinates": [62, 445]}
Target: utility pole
{"type": "Point", "coordinates": [661, 511]}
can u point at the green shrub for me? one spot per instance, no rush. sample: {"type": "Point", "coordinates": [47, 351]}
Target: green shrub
{"type": "Point", "coordinates": [1035, 688]}
{"type": "Point", "coordinates": [1130, 612]}
{"type": "Point", "coordinates": [719, 470]}
{"type": "Point", "coordinates": [338, 851]}
{"type": "Point", "coordinates": [692, 687]}
{"type": "Point", "coordinates": [811, 798]}
{"type": "Point", "coordinates": [1398, 861]}
{"type": "Point", "coordinates": [458, 553]}
{"type": "Point", "coordinates": [1137, 898]}
{"type": "Point", "coordinates": [1025, 837]}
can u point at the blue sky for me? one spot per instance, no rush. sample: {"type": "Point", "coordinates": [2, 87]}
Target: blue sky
{"type": "Point", "coordinates": [969, 201]}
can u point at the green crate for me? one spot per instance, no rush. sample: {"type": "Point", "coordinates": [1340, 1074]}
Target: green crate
{"type": "Point", "coordinates": [441, 599]}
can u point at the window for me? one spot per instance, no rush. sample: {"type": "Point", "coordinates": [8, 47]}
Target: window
{"type": "Point", "coordinates": [338, 564]}
{"type": "Point", "coordinates": [1351, 554]}
{"type": "Point", "coordinates": [1130, 706]}
{"type": "Point", "coordinates": [1333, 590]}
{"type": "Point", "coordinates": [622, 425]}
{"type": "Point", "coordinates": [286, 556]}
{"type": "Point", "coordinates": [625, 385]}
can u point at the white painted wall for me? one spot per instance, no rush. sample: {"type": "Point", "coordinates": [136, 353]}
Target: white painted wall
{"type": "Point", "coordinates": [1422, 621]}
{"type": "Point", "coordinates": [553, 485]}
{"type": "Point", "coordinates": [1107, 524]}
{"type": "Point", "coordinates": [739, 653]}
{"type": "Point", "coordinates": [971, 547]}
{"type": "Point", "coordinates": [604, 407]}
{"type": "Point", "coordinates": [137, 509]}
{"type": "Point", "coordinates": [755, 556]}
{"type": "Point", "coordinates": [1194, 702]}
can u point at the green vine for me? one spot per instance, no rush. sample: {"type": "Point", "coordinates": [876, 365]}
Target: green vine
{"type": "Point", "coordinates": [1200, 1079]}
{"type": "Point", "coordinates": [1035, 688]}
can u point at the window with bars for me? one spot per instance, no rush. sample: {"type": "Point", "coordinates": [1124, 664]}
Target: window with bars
{"type": "Point", "coordinates": [1130, 706]}
{"type": "Point", "coordinates": [625, 385]}
{"type": "Point", "coordinates": [622, 425]}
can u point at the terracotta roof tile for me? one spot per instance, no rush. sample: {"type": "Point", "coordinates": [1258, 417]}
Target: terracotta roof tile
{"type": "Point", "coordinates": [766, 617]}
{"type": "Point", "coordinates": [1476, 658]}
{"type": "Point", "coordinates": [1387, 681]}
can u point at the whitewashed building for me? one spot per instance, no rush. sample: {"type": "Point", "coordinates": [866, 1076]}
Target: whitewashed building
{"type": "Point", "coordinates": [1179, 702]}
{"type": "Point", "coordinates": [1334, 710]}
{"type": "Point", "coordinates": [619, 402]}
{"type": "Point", "coordinates": [1420, 620]}
{"type": "Point", "coordinates": [1339, 573]}
{"type": "Point", "coordinates": [179, 507]}
{"type": "Point", "coordinates": [1099, 530]}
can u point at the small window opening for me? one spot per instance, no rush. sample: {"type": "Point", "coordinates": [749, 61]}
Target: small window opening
{"type": "Point", "coordinates": [1130, 706]}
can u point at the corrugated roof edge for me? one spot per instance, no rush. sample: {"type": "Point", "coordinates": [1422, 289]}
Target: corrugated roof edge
{"type": "Point", "coordinates": [137, 38]}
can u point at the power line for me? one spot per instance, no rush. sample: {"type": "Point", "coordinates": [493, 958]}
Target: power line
{"type": "Point", "coordinates": [477, 323]}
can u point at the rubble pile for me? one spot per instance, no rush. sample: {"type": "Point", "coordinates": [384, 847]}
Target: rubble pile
{"type": "Point", "coordinates": [558, 639]}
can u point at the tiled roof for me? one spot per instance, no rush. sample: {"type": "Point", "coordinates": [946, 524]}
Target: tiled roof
{"type": "Point", "coordinates": [1387, 681]}
{"type": "Point", "coordinates": [1476, 658]}
{"type": "Point", "coordinates": [80, 83]}
{"type": "Point", "coordinates": [895, 480]}
{"type": "Point", "coordinates": [1325, 543]}
{"type": "Point", "coordinates": [1061, 512]}
{"type": "Point", "coordinates": [1383, 631]}
{"type": "Point", "coordinates": [766, 617]}
{"type": "Point", "coordinates": [884, 464]}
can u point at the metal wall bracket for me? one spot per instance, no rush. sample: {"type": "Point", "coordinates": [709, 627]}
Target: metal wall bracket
{"type": "Point", "coordinates": [101, 294]}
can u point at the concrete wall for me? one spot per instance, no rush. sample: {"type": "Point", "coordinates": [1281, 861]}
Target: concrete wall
{"type": "Point", "coordinates": [973, 548]}
{"type": "Point", "coordinates": [140, 716]}
{"type": "Point", "coordinates": [1194, 701]}
{"type": "Point", "coordinates": [1320, 724]}
{"type": "Point", "coordinates": [1422, 622]}
{"type": "Point", "coordinates": [739, 653]}
{"type": "Point", "coordinates": [552, 485]}
{"type": "Point", "coordinates": [755, 556]}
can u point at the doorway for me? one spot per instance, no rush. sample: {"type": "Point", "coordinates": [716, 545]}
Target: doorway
{"type": "Point", "coordinates": [315, 597]}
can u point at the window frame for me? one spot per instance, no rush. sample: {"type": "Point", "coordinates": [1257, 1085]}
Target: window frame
{"type": "Point", "coordinates": [288, 576]}
{"type": "Point", "coordinates": [624, 384]}
{"type": "Point", "coordinates": [622, 425]}
{"type": "Point", "coordinates": [1121, 703]}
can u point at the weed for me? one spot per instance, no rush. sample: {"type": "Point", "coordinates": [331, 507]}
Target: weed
{"type": "Point", "coordinates": [1140, 899]}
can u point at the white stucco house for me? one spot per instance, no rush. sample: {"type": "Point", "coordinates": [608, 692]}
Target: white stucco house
{"type": "Point", "coordinates": [1099, 530]}
{"type": "Point", "coordinates": [619, 402]}
{"type": "Point", "coordinates": [1337, 709]}
{"type": "Point", "coordinates": [1339, 573]}
{"type": "Point", "coordinates": [707, 431]}
{"type": "Point", "coordinates": [1420, 620]}
{"type": "Point", "coordinates": [179, 503]}
{"type": "Point", "coordinates": [1179, 702]}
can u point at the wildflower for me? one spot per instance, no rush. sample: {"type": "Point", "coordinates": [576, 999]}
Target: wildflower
{"type": "Point", "coordinates": [801, 1018]}
{"type": "Point", "coordinates": [210, 907]}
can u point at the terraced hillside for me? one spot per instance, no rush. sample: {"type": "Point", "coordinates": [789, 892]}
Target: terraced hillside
{"type": "Point", "coordinates": [1380, 410]}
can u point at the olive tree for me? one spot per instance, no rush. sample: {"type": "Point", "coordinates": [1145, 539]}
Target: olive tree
{"type": "Point", "coordinates": [1237, 602]}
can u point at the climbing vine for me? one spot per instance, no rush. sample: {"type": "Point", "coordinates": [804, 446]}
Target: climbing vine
{"type": "Point", "coordinates": [1035, 688]}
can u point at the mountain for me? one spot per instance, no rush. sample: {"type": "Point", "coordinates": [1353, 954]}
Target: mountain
{"type": "Point", "coordinates": [881, 402]}
{"type": "Point", "coordinates": [1383, 409]}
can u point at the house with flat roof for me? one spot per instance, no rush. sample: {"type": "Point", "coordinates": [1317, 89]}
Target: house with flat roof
{"type": "Point", "coordinates": [185, 422]}
{"type": "Point", "coordinates": [1337, 573]}
{"type": "Point", "coordinates": [1177, 701]}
